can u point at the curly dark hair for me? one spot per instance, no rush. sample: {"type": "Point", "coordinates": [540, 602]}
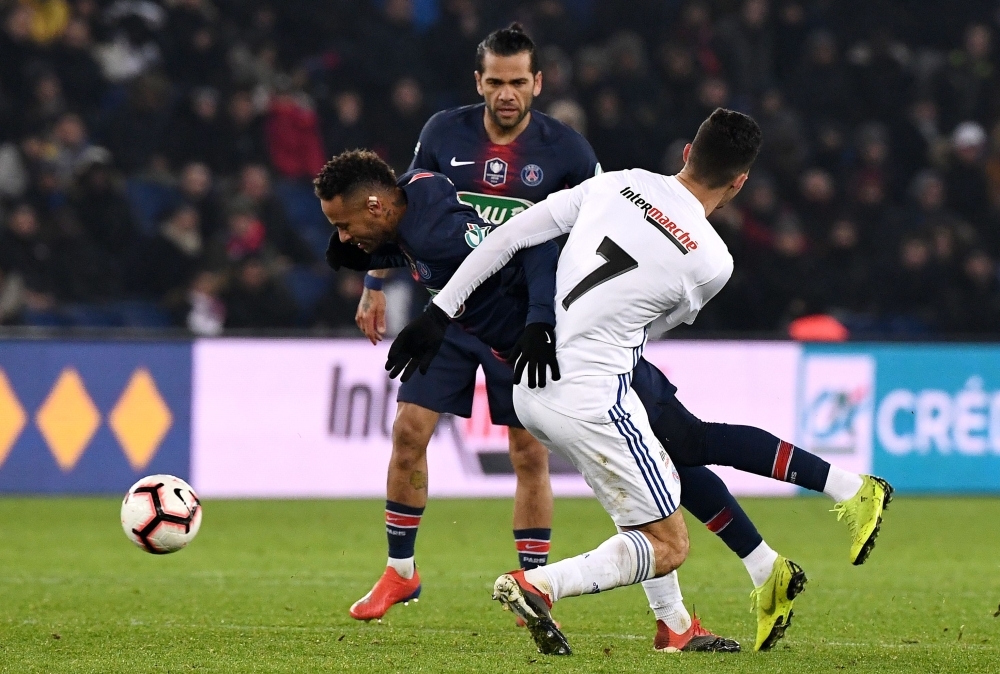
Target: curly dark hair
{"type": "Point", "coordinates": [507, 42]}
{"type": "Point", "coordinates": [351, 170]}
{"type": "Point", "coordinates": [725, 146]}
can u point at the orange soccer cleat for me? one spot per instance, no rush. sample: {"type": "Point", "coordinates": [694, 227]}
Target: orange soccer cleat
{"type": "Point", "coordinates": [390, 589]}
{"type": "Point", "coordinates": [697, 638]}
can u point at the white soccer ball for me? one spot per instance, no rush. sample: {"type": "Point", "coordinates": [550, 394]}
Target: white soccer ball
{"type": "Point", "coordinates": [161, 514]}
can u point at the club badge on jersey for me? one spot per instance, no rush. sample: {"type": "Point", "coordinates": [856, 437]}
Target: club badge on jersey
{"type": "Point", "coordinates": [531, 175]}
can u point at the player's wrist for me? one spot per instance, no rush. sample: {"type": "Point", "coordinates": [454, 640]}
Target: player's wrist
{"type": "Point", "coordinates": [373, 282]}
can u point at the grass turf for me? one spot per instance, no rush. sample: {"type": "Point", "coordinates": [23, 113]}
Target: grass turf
{"type": "Point", "coordinates": [267, 584]}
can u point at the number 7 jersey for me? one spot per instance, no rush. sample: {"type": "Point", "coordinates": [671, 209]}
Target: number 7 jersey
{"type": "Point", "coordinates": [639, 247]}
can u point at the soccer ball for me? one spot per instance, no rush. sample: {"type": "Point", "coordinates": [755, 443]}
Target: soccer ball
{"type": "Point", "coordinates": [161, 514]}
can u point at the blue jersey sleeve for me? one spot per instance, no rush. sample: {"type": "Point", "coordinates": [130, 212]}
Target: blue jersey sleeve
{"type": "Point", "coordinates": [539, 264]}
{"type": "Point", "coordinates": [425, 153]}
{"type": "Point", "coordinates": [584, 164]}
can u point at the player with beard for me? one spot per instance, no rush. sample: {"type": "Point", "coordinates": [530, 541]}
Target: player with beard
{"type": "Point", "coordinates": [502, 157]}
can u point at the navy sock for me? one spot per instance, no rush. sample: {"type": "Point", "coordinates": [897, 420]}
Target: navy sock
{"type": "Point", "coordinates": [756, 451]}
{"type": "Point", "coordinates": [401, 522]}
{"type": "Point", "coordinates": [532, 547]}
{"type": "Point", "coordinates": [705, 495]}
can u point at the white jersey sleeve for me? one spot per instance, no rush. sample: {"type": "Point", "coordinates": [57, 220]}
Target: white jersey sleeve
{"type": "Point", "coordinates": [540, 223]}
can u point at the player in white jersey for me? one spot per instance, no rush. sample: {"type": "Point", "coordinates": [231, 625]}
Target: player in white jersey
{"type": "Point", "coordinates": [640, 246]}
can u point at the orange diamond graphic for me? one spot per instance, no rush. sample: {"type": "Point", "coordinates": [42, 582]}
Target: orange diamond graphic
{"type": "Point", "coordinates": [68, 419]}
{"type": "Point", "coordinates": [140, 419]}
{"type": "Point", "coordinates": [12, 417]}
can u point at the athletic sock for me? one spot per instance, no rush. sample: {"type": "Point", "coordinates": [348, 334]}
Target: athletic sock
{"type": "Point", "coordinates": [401, 522]}
{"type": "Point", "coordinates": [532, 547]}
{"type": "Point", "coordinates": [841, 485]}
{"type": "Point", "coordinates": [759, 563]}
{"type": "Point", "coordinates": [623, 559]}
{"type": "Point", "coordinates": [705, 495]}
{"type": "Point", "coordinates": [664, 595]}
{"type": "Point", "coordinates": [754, 450]}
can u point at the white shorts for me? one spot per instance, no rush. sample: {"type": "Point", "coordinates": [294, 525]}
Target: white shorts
{"type": "Point", "coordinates": [626, 466]}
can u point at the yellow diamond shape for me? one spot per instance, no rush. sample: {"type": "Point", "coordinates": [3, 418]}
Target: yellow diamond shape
{"type": "Point", "coordinates": [68, 419]}
{"type": "Point", "coordinates": [140, 419]}
{"type": "Point", "coordinates": [12, 417]}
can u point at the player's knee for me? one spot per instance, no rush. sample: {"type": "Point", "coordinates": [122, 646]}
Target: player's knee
{"type": "Point", "coordinates": [528, 456]}
{"type": "Point", "coordinates": [410, 435]}
{"type": "Point", "coordinates": [682, 435]}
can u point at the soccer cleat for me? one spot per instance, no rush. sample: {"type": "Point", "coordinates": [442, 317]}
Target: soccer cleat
{"type": "Point", "coordinates": [773, 601]}
{"type": "Point", "coordinates": [531, 605]}
{"type": "Point", "coordinates": [863, 513]}
{"type": "Point", "coordinates": [696, 639]}
{"type": "Point", "coordinates": [390, 589]}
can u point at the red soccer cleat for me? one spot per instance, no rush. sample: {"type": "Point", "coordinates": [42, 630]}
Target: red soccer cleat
{"type": "Point", "coordinates": [697, 638]}
{"type": "Point", "coordinates": [390, 589]}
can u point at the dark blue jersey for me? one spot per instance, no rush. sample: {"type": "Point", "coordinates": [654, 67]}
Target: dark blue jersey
{"type": "Point", "coordinates": [500, 181]}
{"type": "Point", "coordinates": [437, 233]}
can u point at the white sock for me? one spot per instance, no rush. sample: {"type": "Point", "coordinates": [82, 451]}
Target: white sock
{"type": "Point", "coordinates": [841, 485]}
{"type": "Point", "coordinates": [404, 567]}
{"type": "Point", "coordinates": [623, 559]}
{"type": "Point", "coordinates": [664, 595]}
{"type": "Point", "coordinates": [759, 563]}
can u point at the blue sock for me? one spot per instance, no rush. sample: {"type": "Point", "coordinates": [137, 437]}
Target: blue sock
{"type": "Point", "coordinates": [756, 451]}
{"type": "Point", "coordinates": [705, 495]}
{"type": "Point", "coordinates": [401, 522]}
{"type": "Point", "coordinates": [532, 547]}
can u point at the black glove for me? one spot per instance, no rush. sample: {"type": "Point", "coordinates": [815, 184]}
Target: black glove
{"type": "Point", "coordinates": [348, 255]}
{"type": "Point", "coordinates": [535, 350]}
{"type": "Point", "coordinates": [418, 343]}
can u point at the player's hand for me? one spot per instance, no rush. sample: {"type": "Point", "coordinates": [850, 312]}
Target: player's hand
{"type": "Point", "coordinates": [371, 315]}
{"type": "Point", "coordinates": [347, 255]}
{"type": "Point", "coordinates": [534, 351]}
{"type": "Point", "coordinates": [415, 347]}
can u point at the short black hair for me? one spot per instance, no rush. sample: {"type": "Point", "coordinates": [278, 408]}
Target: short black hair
{"type": "Point", "coordinates": [507, 42]}
{"type": "Point", "coordinates": [725, 146]}
{"type": "Point", "coordinates": [351, 170]}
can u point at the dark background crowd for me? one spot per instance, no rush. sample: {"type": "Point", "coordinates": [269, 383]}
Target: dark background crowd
{"type": "Point", "coordinates": [156, 156]}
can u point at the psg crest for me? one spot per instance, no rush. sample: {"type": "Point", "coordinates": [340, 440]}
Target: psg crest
{"type": "Point", "coordinates": [495, 172]}
{"type": "Point", "coordinates": [531, 175]}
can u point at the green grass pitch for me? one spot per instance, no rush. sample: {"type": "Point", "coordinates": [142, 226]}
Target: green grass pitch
{"type": "Point", "coordinates": [267, 584]}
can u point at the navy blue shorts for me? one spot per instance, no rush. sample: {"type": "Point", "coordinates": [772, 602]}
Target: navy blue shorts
{"type": "Point", "coordinates": [680, 432]}
{"type": "Point", "coordinates": [450, 382]}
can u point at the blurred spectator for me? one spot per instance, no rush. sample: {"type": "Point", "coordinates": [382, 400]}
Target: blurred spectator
{"type": "Point", "coordinates": [822, 87]}
{"type": "Point", "coordinates": [337, 307]}
{"type": "Point", "coordinates": [100, 204]}
{"type": "Point", "coordinates": [255, 189]}
{"type": "Point", "coordinates": [570, 113]}
{"type": "Point", "coordinates": [293, 138]}
{"type": "Point", "coordinates": [256, 299]}
{"type": "Point", "coordinates": [205, 312]}
{"type": "Point", "coordinates": [48, 19]}
{"type": "Point", "coordinates": [194, 55]}
{"type": "Point", "coordinates": [47, 104]}
{"type": "Point", "coordinates": [197, 132]}
{"type": "Point", "coordinates": [71, 146]}
{"type": "Point", "coordinates": [244, 236]}
{"type": "Point", "coordinates": [167, 264]}
{"type": "Point", "coordinates": [11, 296]}
{"type": "Point", "coordinates": [84, 270]}
{"type": "Point", "coordinates": [197, 190]}
{"type": "Point", "coordinates": [976, 309]}
{"type": "Point", "coordinates": [19, 55]}
{"type": "Point", "coordinates": [965, 179]}
{"type": "Point", "coordinates": [969, 83]}
{"type": "Point", "coordinates": [24, 251]}
{"type": "Point", "coordinates": [344, 127]}
{"type": "Point", "coordinates": [80, 73]}
{"type": "Point", "coordinates": [132, 47]}
{"type": "Point", "coordinates": [747, 47]}
{"type": "Point", "coordinates": [136, 131]}
{"type": "Point", "coordinates": [403, 120]}
{"type": "Point", "coordinates": [242, 133]}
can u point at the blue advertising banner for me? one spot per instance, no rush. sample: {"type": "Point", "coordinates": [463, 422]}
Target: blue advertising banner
{"type": "Point", "coordinates": [928, 416]}
{"type": "Point", "coordinates": [92, 417]}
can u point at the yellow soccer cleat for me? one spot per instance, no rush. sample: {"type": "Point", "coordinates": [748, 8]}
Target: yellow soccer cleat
{"type": "Point", "coordinates": [773, 601]}
{"type": "Point", "coordinates": [863, 513]}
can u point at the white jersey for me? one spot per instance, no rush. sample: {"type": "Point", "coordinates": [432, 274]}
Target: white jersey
{"type": "Point", "coordinates": [639, 247]}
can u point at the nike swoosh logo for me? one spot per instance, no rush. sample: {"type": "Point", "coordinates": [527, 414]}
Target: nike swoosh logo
{"type": "Point", "coordinates": [548, 340]}
{"type": "Point", "coordinates": [460, 163]}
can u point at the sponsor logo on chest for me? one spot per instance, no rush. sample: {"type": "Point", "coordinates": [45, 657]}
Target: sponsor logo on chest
{"type": "Point", "coordinates": [654, 216]}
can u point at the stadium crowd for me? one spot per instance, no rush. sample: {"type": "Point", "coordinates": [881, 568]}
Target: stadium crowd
{"type": "Point", "coordinates": [156, 157]}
